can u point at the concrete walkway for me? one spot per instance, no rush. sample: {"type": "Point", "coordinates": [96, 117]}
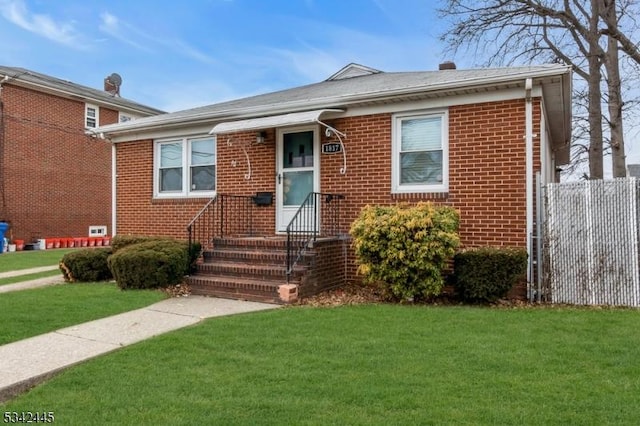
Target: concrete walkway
{"type": "Point", "coordinates": [28, 271]}
{"type": "Point", "coordinates": [38, 282]}
{"type": "Point", "coordinates": [26, 363]}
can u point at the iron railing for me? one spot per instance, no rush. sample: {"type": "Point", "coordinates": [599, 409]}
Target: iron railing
{"type": "Point", "coordinates": [318, 216]}
{"type": "Point", "coordinates": [224, 215]}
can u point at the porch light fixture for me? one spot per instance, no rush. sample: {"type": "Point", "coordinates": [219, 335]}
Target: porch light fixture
{"type": "Point", "coordinates": [260, 137]}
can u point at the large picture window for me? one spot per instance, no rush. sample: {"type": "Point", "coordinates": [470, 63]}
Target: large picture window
{"type": "Point", "coordinates": [420, 153]}
{"type": "Point", "coordinates": [185, 167]}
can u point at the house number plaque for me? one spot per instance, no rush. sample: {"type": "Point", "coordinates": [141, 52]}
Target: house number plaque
{"type": "Point", "coordinates": [331, 148]}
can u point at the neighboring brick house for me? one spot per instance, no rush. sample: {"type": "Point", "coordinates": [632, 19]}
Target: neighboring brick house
{"type": "Point", "coordinates": [55, 179]}
{"type": "Point", "coordinates": [473, 139]}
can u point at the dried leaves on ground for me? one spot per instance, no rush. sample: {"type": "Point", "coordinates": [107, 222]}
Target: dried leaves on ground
{"type": "Point", "coordinates": [178, 290]}
{"type": "Point", "coordinates": [346, 295]}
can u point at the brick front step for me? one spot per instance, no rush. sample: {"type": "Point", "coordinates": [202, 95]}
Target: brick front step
{"type": "Point", "coordinates": [241, 288]}
{"type": "Point", "coordinates": [247, 270]}
{"type": "Point", "coordinates": [250, 268]}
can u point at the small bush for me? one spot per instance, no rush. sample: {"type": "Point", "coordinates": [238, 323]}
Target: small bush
{"type": "Point", "coordinates": [86, 265]}
{"type": "Point", "coordinates": [121, 241]}
{"type": "Point", "coordinates": [405, 248]}
{"type": "Point", "coordinates": [150, 264]}
{"type": "Point", "coordinates": [487, 274]}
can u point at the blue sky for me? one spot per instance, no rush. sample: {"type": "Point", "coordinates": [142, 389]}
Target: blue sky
{"type": "Point", "coordinates": [177, 55]}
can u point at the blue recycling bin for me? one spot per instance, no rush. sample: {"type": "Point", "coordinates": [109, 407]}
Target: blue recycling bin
{"type": "Point", "coordinates": [3, 228]}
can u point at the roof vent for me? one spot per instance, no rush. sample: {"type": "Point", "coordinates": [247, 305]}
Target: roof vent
{"type": "Point", "coordinates": [448, 65]}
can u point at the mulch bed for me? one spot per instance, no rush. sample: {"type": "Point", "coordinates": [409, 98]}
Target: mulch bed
{"type": "Point", "coordinates": [354, 294]}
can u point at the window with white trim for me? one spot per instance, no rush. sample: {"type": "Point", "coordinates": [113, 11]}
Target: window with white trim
{"type": "Point", "coordinates": [91, 116]}
{"type": "Point", "coordinates": [185, 167]}
{"type": "Point", "coordinates": [420, 152]}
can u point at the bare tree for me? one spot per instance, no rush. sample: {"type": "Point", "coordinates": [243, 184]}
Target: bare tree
{"type": "Point", "coordinates": [612, 67]}
{"type": "Point", "coordinates": [569, 31]}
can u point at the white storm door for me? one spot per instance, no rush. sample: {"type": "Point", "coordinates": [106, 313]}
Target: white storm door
{"type": "Point", "coordinates": [297, 171]}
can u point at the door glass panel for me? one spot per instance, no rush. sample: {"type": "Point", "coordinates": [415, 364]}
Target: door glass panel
{"type": "Point", "coordinates": [297, 150]}
{"type": "Point", "coordinates": [296, 186]}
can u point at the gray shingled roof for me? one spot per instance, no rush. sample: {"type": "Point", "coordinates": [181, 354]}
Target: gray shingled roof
{"type": "Point", "coordinates": [32, 78]}
{"type": "Point", "coordinates": [342, 93]}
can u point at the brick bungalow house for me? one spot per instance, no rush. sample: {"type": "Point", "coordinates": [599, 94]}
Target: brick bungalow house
{"type": "Point", "coordinates": [271, 183]}
{"type": "Point", "coordinates": [55, 180]}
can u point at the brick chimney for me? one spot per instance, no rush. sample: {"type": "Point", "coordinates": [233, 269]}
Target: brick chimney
{"type": "Point", "coordinates": [110, 87]}
{"type": "Point", "coordinates": [112, 84]}
{"type": "Point", "coordinates": [448, 65]}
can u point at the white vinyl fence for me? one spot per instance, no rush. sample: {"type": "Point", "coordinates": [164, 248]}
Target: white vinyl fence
{"type": "Point", "coordinates": [590, 242]}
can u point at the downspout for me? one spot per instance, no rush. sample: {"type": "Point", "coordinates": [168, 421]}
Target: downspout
{"type": "Point", "coordinates": [113, 190]}
{"type": "Point", "coordinates": [3, 200]}
{"type": "Point", "coordinates": [114, 198]}
{"type": "Point", "coordinates": [529, 174]}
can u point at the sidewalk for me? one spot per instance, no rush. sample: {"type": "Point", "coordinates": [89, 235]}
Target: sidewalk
{"type": "Point", "coordinates": [28, 271]}
{"type": "Point", "coordinates": [25, 363]}
{"type": "Point", "coordinates": [38, 282]}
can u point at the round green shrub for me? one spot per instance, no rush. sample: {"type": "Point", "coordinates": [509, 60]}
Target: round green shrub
{"type": "Point", "coordinates": [487, 274]}
{"type": "Point", "coordinates": [150, 264]}
{"type": "Point", "coordinates": [121, 241]}
{"type": "Point", "coordinates": [405, 247]}
{"type": "Point", "coordinates": [86, 265]}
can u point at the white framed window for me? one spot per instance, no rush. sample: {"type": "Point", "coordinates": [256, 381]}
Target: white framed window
{"type": "Point", "coordinates": [91, 116]}
{"type": "Point", "coordinates": [185, 167]}
{"type": "Point", "coordinates": [420, 160]}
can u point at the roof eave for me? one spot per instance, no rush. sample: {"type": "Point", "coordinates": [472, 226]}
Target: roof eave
{"type": "Point", "coordinates": [340, 102]}
{"type": "Point", "coordinates": [147, 111]}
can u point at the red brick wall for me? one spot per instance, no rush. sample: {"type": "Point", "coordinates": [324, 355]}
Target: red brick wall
{"type": "Point", "coordinates": [137, 212]}
{"type": "Point", "coordinates": [56, 180]}
{"type": "Point", "coordinates": [486, 174]}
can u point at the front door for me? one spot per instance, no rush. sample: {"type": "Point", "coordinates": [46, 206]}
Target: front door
{"type": "Point", "coordinates": [297, 171]}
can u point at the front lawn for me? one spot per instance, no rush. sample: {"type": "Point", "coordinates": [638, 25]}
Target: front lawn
{"type": "Point", "coordinates": [17, 260]}
{"type": "Point", "coordinates": [376, 364]}
{"type": "Point", "coordinates": [27, 313]}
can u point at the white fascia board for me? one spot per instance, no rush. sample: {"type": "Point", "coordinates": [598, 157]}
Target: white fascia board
{"type": "Point", "coordinates": [444, 102]}
{"type": "Point", "coordinates": [186, 131]}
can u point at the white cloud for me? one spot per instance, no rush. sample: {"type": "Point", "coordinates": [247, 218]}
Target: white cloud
{"type": "Point", "coordinates": [133, 36]}
{"type": "Point", "coordinates": [110, 24]}
{"type": "Point", "coordinates": [16, 12]}
{"type": "Point", "coordinates": [314, 60]}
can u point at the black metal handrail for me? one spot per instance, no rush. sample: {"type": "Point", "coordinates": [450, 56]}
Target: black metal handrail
{"type": "Point", "coordinates": [318, 216]}
{"type": "Point", "coordinates": [223, 215]}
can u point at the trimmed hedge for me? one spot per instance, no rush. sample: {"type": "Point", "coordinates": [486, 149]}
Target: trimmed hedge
{"type": "Point", "coordinates": [405, 247]}
{"type": "Point", "coordinates": [121, 241]}
{"type": "Point", "coordinates": [150, 264]}
{"type": "Point", "coordinates": [487, 274]}
{"type": "Point", "coordinates": [86, 265]}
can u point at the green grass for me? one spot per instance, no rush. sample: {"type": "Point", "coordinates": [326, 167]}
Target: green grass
{"type": "Point", "coordinates": [365, 365]}
{"type": "Point", "coordinates": [28, 313]}
{"type": "Point", "coordinates": [18, 260]}
{"type": "Point", "coordinates": [27, 277]}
